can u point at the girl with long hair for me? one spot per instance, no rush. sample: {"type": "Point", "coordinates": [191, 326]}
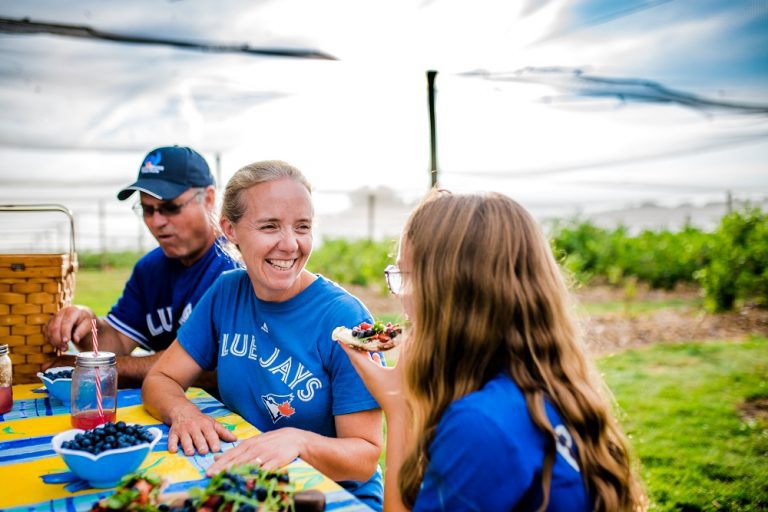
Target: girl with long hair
{"type": "Point", "coordinates": [493, 404]}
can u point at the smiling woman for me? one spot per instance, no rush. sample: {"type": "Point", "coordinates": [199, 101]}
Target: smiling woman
{"type": "Point", "coordinates": [275, 233]}
{"type": "Point", "coordinates": [267, 330]}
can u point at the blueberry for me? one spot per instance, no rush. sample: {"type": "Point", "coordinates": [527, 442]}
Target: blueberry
{"type": "Point", "coordinates": [261, 493]}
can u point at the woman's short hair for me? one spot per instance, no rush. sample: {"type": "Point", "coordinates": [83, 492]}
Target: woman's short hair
{"type": "Point", "coordinates": [233, 207]}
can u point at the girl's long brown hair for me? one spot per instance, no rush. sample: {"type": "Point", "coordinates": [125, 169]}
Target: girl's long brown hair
{"type": "Point", "coordinates": [487, 297]}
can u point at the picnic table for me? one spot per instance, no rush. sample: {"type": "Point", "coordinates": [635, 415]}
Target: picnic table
{"type": "Point", "coordinates": [26, 454]}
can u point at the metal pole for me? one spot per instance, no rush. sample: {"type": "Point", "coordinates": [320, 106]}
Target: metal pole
{"type": "Point", "coordinates": [218, 170]}
{"type": "Point", "coordinates": [432, 128]}
{"type": "Point", "coordinates": [102, 235]}
{"type": "Point", "coordinates": [371, 210]}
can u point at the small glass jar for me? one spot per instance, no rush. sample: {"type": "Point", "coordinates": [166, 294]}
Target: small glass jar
{"type": "Point", "coordinates": [6, 380]}
{"type": "Point", "coordinates": [88, 408]}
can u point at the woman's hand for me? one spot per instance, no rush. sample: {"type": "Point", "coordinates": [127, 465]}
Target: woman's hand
{"type": "Point", "coordinates": [385, 384]}
{"type": "Point", "coordinates": [269, 450]}
{"type": "Point", "coordinates": [196, 432]}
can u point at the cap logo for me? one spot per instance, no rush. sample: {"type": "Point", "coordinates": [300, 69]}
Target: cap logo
{"type": "Point", "coordinates": [151, 164]}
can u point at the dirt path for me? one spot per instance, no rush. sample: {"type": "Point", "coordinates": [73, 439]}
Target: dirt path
{"type": "Point", "coordinates": [612, 332]}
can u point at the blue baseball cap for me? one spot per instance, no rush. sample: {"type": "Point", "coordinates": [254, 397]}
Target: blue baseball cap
{"type": "Point", "coordinates": [168, 172]}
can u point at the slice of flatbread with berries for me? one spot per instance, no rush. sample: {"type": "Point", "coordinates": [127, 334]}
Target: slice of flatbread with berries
{"type": "Point", "coordinates": [375, 337]}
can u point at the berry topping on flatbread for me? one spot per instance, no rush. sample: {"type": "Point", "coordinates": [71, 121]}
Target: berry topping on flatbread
{"type": "Point", "coordinates": [375, 337]}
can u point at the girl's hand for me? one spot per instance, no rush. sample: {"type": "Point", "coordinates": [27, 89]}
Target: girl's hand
{"type": "Point", "coordinates": [385, 384]}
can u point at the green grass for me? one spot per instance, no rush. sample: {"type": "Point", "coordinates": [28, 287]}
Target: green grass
{"type": "Point", "coordinates": [639, 306]}
{"type": "Point", "coordinates": [681, 409]}
{"type": "Point", "coordinates": [100, 289]}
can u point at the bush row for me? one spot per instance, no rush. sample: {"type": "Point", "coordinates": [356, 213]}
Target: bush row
{"type": "Point", "coordinates": [730, 264]}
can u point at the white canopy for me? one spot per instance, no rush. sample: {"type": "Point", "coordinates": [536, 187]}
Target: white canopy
{"type": "Point", "coordinates": [568, 106]}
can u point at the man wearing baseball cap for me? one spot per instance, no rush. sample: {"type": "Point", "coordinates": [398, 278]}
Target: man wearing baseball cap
{"type": "Point", "coordinates": [176, 199]}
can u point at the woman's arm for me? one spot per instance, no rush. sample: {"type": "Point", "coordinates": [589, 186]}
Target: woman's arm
{"type": "Point", "coordinates": [353, 455]}
{"type": "Point", "coordinates": [164, 398]}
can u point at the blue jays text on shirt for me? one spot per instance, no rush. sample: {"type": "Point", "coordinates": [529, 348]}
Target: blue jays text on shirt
{"type": "Point", "coordinates": [291, 373]}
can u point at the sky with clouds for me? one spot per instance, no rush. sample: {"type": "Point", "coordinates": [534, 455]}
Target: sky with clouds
{"type": "Point", "coordinates": [565, 105]}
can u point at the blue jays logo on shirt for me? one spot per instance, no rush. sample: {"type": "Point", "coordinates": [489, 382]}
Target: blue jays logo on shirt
{"type": "Point", "coordinates": [278, 406]}
{"type": "Point", "coordinates": [565, 446]}
{"type": "Point", "coordinates": [151, 164]}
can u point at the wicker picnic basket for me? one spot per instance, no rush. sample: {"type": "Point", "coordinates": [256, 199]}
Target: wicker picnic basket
{"type": "Point", "coordinates": [32, 288]}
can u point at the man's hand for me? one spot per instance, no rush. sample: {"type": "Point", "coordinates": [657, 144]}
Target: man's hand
{"type": "Point", "coordinates": [70, 323]}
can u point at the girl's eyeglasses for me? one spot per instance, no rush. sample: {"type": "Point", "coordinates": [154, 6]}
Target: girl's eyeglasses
{"type": "Point", "coordinates": [394, 278]}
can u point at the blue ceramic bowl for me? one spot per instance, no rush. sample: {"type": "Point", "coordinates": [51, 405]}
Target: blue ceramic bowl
{"type": "Point", "coordinates": [59, 388]}
{"type": "Point", "coordinates": [108, 467]}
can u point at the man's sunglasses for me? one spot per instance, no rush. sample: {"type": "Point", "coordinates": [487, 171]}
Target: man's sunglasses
{"type": "Point", "coordinates": [168, 209]}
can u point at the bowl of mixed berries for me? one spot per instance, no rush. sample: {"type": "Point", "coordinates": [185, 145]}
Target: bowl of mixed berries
{"type": "Point", "coordinates": [103, 455]}
{"type": "Point", "coordinates": [58, 382]}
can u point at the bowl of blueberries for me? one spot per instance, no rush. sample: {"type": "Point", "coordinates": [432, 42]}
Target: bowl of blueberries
{"type": "Point", "coordinates": [103, 455]}
{"type": "Point", "coordinates": [58, 382]}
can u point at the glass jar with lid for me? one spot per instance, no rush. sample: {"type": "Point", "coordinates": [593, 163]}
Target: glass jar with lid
{"type": "Point", "coordinates": [94, 389]}
{"type": "Point", "coordinates": [6, 380]}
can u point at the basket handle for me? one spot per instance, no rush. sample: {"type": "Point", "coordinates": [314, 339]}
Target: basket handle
{"type": "Point", "coordinates": [52, 207]}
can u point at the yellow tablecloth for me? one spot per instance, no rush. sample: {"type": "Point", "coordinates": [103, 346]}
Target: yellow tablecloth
{"type": "Point", "coordinates": [26, 454]}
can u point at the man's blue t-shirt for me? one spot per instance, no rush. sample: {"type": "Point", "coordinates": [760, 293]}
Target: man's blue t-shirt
{"type": "Point", "coordinates": [277, 364]}
{"type": "Point", "coordinates": [487, 455]}
{"type": "Point", "coordinates": [160, 294]}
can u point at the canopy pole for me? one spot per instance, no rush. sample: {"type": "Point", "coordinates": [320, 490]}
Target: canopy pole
{"type": "Point", "coordinates": [432, 128]}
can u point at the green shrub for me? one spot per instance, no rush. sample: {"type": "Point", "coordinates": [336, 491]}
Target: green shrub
{"type": "Point", "coordinates": [360, 262]}
{"type": "Point", "coordinates": [738, 266]}
{"type": "Point", "coordinates": [664, 259]}
{"type": "Point", "coordinates": [580, 247]}
{"type": "Point", "coordinates": [661, 259]}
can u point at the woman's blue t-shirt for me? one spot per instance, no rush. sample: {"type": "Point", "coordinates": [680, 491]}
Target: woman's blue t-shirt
{"type": "Point", "coordinates": [277, 364]}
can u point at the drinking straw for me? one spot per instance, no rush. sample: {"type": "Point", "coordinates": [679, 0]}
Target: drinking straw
{"type": "Point", "coordinates": [95, 338]}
